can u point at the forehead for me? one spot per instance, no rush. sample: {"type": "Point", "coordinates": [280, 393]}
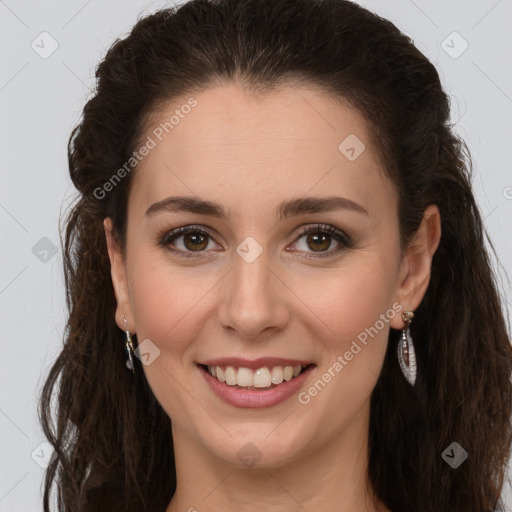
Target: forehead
{"type": "Point", "coordinates": [228, 138]}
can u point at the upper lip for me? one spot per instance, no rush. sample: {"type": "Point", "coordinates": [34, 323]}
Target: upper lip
{"type": "Point", "coordinates": [255, 363]}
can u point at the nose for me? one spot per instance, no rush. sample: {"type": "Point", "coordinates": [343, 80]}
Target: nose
{"type": "Point", "coordinates": [254, 298]}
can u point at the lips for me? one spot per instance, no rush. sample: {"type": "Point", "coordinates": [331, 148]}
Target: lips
{"type": "Point", "coordinates": [261, 373]}
{"type": "Point", "coordinates": [255, 383]}
{"type": "Point", "coordinates": [257, 398]}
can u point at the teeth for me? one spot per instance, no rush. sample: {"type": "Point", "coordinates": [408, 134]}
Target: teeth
{"type": "Point", "coordinates": [261, 378]}
{"type": "Point", "coordinates": [277, 375]}
{"type": "Point", "coordinates": [220, 374]}
{"type": "Point", "coordinates": [288, 373]}
{"type": "Point", "coordinates": [230, 375]}
{"type": "Point", "coordinates": [244, 377]}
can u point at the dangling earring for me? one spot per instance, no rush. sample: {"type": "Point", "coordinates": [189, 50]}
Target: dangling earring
{"type": "Point", "coordinates": [129, 347]}
{"type": "Point", "coordinates": [406, 354]}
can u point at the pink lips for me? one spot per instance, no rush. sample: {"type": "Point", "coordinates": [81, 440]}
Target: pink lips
{"type": "Point", "coordinates": [251, 398]}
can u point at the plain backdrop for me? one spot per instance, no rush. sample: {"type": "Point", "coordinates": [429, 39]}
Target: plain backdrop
{"type": "Point", "coordinates": [49, 51]}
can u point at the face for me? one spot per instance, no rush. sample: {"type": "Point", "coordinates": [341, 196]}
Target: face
{"type": "Point", "coordinates": [293, 261]}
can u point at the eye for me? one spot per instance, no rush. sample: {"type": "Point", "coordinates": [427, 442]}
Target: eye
{"type": "Point", "coordinates": [195, 240]}
{"type": "Point", "coordinates": [319, 237]}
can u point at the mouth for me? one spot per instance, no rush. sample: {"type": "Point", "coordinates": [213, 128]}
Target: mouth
{"type": "Point", "coordinates": [260, 378]}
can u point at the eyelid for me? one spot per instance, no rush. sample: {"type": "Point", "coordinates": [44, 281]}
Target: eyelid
{"type": "Point", "coordinates": [165, 238]}
{"type": "Point", "coordinates": [340, 236]}
{"type": "Point", "coordinates": [326, 228]}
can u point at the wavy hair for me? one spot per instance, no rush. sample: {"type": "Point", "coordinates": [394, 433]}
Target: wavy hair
{"type": "Point", "coordinates": [112, 439]}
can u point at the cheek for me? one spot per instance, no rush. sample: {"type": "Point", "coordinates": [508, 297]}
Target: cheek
{"type": "Point", "coordinates": [354, 297]}
{"type": "Point", "coordinates": [354, 311]}
{"type": "Point", "coordinates": [167, 304]}
{"type": "Point", "coordinates": [165, 300]}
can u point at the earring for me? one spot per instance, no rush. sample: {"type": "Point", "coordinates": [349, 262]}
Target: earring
{"type": "Point", "coordinates": [406, 354]}
{"type": "Point", "coordinates": [129, 347]}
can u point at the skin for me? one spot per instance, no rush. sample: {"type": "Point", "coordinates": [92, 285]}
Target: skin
{"type": "Point", "coordinates": [250, 152]}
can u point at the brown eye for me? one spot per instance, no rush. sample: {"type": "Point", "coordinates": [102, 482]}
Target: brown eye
{"type": "Point", "coordinates": [190, 241]}
{"type": "Point", "coordinates": [319, 238]}
{"type": "Point", "coordinates": [318, 241]}
{"type": "Point", "coordinates": [195, 241]}
{"type": "Point", "coordinates": [186, 241]}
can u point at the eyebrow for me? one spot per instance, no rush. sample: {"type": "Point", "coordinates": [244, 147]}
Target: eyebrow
{"type": "Point", "coordinates": [286, 209]}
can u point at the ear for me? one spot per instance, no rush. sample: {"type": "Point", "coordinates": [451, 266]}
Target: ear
{"type": "Point", "coordinates": [416, 264]}
{"type": "Point", "coordinates": [119, 280]}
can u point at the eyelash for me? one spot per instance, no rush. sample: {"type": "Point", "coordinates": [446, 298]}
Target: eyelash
{"type": "Point", "coordinates": [338, 235]}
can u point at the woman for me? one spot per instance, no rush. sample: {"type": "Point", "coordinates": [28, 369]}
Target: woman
{"type": "Point", "coordinates": [279, 293]}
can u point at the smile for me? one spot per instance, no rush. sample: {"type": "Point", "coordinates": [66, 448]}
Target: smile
{"type": "Point", "coordinates": [261, 379]}
{"type": "Point", "coordinates": [262, 383]}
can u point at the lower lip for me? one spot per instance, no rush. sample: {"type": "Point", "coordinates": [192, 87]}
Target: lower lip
{"type": "Point", "coordinates": [255, 399]}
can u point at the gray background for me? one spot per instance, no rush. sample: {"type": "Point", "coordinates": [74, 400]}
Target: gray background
{"type": "Point", "coordinates": [41, 100]}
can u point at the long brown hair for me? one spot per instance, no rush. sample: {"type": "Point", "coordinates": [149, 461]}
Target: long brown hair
{"type": "Point", "coordinates": [112, 439]}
